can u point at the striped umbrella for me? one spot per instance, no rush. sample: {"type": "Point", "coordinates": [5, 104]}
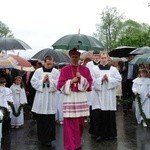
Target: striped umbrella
{"type": "Point", "coordinates": [6, 61]}
{"type": "Point", "coordinates": [23, 64]}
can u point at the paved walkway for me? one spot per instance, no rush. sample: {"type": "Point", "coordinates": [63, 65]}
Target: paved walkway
{"type": "Point", "coordinates": [130, 137]}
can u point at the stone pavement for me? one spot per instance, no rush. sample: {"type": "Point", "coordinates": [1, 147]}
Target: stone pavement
{"type": "Point", "coordinates": [130, 137]}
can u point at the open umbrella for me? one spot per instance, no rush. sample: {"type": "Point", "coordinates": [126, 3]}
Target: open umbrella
{"type": "Point", "coordinates": [7, 61]}
{"type": "Point", "coordinates": [12, 44]}
{"type": "Point", "coordinates": [141, 50]}
{"type": "Point", "coordinates": [79, 41]}
{"type": "Point", "coordinates": [23, 64]}
{"type": "Point", "coordinates": [121, 51]}
{"type": "Point", "coordinates": [141, 59]}
{"type": "Point", "coordinates": [58, 56]}
{"type": "Point", "coordinates": [85, 55]}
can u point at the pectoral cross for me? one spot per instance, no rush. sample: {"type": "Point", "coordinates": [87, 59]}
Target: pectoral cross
{"type": "Point", "coordinates": [74, 75]}
{"type": "Point", "coordinates": [75, 84]}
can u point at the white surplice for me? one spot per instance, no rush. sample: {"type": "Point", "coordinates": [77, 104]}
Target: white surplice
{"type": "Point", "coordinates": [70, 98]}
{"type": "Point", "coordinates": [142, 87]}
{"type": "Point", "coordinates": [59, 104]}
{"type": "Point", "coordinates": [90, 94]}
{"type": "Point", "coordinates": [45, 97]}
{"type": "Point", "coordinates": [90, 65]}
{"type": "Point", "coordinates": [5, 97]}
{"type": "Point", "coordinates": [105, 92]}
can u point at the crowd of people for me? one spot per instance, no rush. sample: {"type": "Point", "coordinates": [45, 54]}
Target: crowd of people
{"type": "Point", "coordinates": [72, 93]}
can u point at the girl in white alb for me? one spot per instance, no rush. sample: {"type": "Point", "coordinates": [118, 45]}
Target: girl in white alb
{"type": "Point", "coordinates": [19, 98]}
{"type": "Point", "coordinates": [141, 86]}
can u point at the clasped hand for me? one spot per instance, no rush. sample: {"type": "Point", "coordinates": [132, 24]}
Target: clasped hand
{"type": "Point", "coordinates": [105, 78]}
{"type": "Point", "coordinates": [148, 95]}
{"type": "Point", "coordinates": [75, 79]}
{"type": "Point", "coordinates": [46, 78]}
{"type": "Point", "coordinates": [136, 94]}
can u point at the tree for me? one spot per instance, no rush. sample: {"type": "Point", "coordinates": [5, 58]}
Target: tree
{"type": "Point", "coordinates": [134, 34]}
{"type": "Point", "coordinates": [5, 31]}
{"type": "Point", "coordinates": [109, 28]}
{"type": "Point", "coordinates": [114, 31]}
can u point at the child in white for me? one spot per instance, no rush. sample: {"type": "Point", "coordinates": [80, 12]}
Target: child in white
{"type": "Point", "coordinates": [141, 86]}
{"type": "Point", "coordinates": [59, 114]}
{"type": "Point", "coordinates": [5, 94]}
{"type": "Point", "coordinates": [19, 98]}
{"type": "Point", "coordinates": [5, 98]}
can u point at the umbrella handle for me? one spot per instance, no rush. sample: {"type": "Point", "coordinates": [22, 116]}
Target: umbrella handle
{"type": "Point", "coordinates": [79, 43]}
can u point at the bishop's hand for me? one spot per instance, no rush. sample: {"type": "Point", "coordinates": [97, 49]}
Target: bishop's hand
{"type": "Point", "coordinates": [78, 75]}
{"type": "Point", "coordinates": [74, 80]}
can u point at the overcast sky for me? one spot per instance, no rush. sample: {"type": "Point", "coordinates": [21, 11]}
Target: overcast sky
{"type": "Point", "coordinates": [40, 23]}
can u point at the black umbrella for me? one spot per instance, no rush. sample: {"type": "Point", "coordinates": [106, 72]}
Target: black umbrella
{"type": "Point", "coordinates": [12, 44]}
{"type": "Point", "coordinates": [121, 51]}
{"type": "Point", "coordinates": [58, 56]}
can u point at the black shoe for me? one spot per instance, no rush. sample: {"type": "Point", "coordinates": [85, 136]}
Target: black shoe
{"type": "Point", "coordinates": [125, 111]}
{"type": "Point", "coordinates": [111, 138]}
{"type": "Point", "coordinates": [49, 144]}
{"type": "Point", "coordinates": [78, 148]}
{"type": "Point", "coordinates": [98, 139]}
{"type": "Point", "coordinates": [106, 138]}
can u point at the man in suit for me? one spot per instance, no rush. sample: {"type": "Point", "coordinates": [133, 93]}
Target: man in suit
{"type": "Point", "coordinates": [129, 72]}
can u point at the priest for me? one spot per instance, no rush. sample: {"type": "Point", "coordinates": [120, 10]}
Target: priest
{"type": "Point", "coordinates": [44, 80]}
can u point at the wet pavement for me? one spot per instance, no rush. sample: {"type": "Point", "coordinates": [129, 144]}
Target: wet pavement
{"type": "Point", "coordinates": [130, 137]}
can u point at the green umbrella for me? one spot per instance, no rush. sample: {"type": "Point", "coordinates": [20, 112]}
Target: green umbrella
{"type": "Point", "coordinates": [141, 59]}
{"type": "Point", "coordinates": [79, 41]}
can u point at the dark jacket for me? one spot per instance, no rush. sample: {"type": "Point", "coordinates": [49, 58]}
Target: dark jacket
{"type": "Point", "coordinates": [124, 71]}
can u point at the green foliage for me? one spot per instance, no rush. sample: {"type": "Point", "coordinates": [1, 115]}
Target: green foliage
{"type": "Point", "coordinates": [5, 113]}
{"type": "Point", "coordinates": [5, 31]}
{"type": "Point", "coordinates": [131, 99]}
{"type": "Point", "coordinates": [134, 34]}
{"type": "Point", "coordinates": [16, 113]}
{"type": "Point", "coordinates": [108, 30]}
{"type": "Point", "coordinates": [114, 31]}
{"type": "Point", "coordinates": [146, 120]}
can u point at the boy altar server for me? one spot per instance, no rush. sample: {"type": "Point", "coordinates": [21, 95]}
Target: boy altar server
{"type": "Point", "coordinates": [106, 79]}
